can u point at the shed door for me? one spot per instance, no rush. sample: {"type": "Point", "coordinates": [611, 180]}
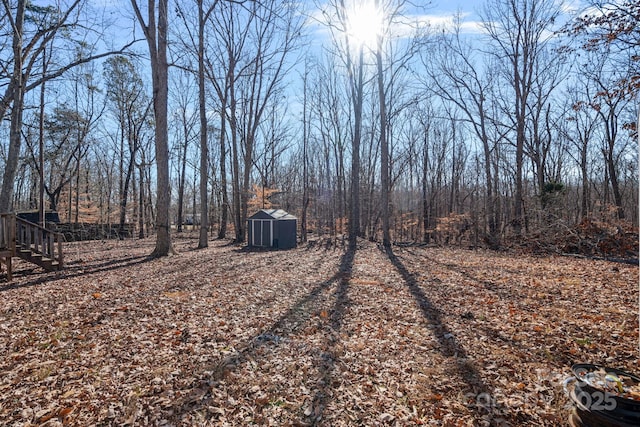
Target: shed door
{"type": "Point", "coordinates": [262, 232]}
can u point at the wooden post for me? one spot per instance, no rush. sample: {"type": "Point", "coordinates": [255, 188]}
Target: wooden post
{"type": "Point", "coordinates": [12, 234]}
{"type": "Point", "coordinates": [60, 258]}
{"type": "Point", "coordinates": [7, 242]}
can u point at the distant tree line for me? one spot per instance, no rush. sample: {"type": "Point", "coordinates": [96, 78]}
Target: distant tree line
{"type": "Point", "coordinates": [524, 123]}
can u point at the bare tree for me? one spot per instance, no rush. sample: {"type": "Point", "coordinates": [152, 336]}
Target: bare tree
{"type": "Point", "coordinates": [60, 152]}
{"type": "Point", "coordinates": [131, 107]}
{"type": "Point", "coordinates": [352, 56]}
{"type": "Point", "coordinates": [155, 31]}
{"type": "Point", "coordinates": [384, 142]}
{"type": "Point", "coordinates": [609, 105]}
{"type": "Point", "coordinates": [394, 50]}
{"type": "Point", "coordinates": [305, 151]}
{"type": "Point", "coordinates": [519, 31]}
{"type": "Point", "coordinates": [86, 103]}
{"type": "Point", "coordinates": [44, 25]}
{"type": "Point", "coordinates": [196, 42]}
{"type": "Point", "coordinates": [203, 17]}
{"type": "Point", "coordinates": [549, 72]}
{"type": "Point", "coordinates": [184, 97]}
{"type": "Point", "coordinates": [454, 68]}
{"type": "Point", "coordinates": [610, 34]}
{"type": "Point", "coordinates": [260, 40]}
{"type": "Point", "coordinates": [16, 98]}
{"type": "Point", "coordinates": [330, 127]}
{"type": "Point", "coordinates": [579, 131]}
{"type": "Point", "coordinates": [223, 68]}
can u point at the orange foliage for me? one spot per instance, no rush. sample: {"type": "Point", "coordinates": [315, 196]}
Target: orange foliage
{"type": "Point", "coordinates": [260, 197]}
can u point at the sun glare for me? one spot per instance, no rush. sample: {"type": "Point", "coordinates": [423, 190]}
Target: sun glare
{"type": "Point", "coordinates": [365, 23]}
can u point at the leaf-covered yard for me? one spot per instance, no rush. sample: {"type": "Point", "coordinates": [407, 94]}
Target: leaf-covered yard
{"type": "Point", "coordinates": [313, 336]}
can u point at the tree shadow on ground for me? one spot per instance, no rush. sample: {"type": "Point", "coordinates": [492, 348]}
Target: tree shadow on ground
{"type": "Point", "coordinates": [326, 361]}
{"type": "Point", "coordinates": [200, 397]}
{"type": "Point", "coordinates": [73, 272]}
{"type": "Point", "coordinates": [327, 243]}
{"type": "Point", "coordinates": [480, 393]}
{"type": "Point", "coordinates": [490, 286]}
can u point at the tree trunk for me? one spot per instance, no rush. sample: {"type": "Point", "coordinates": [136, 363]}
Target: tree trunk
{"type": "Point", "coordinates": [183, 178]}
{"type": "Point", "coordinates": [157, 41]}
{"type": "Point", "coordinates": [518, 216]}
{"type": "Point", "coordinates": [224, 214]}
{"type": "Point", "coordinates": [384, 150]}
{"type": "Point", "coordinates": [80, 137]}
{"type": "Point", "coordinates": [123, 198]}
{"type": "Point", "coordinates": [357, 99]}
{"type": "Point", "coordinates": [490, 203]}
{"type": "Point", "coordinates": [204, 143]}
{"type": "Point", "coordinates": [239, 227]}
{"type": "Point", "coordinates": [305, 172]}
{"type": "Point", "coordinates": [426, 238]}
{"type": "Point", "coordinates": [41, 206]}
{"type": "Point", "coordinates": [15, 129]}
{"type": "Point", "coordinates": [615, 185]}
{"type": "Point", "coordinates": [611, 130]}
{"type": "Point", "coordinates": [246, 185]}
{"type": "Point", "coordinates": [160, 100]}
{"type": "Point", "coordinates": [141, 203]}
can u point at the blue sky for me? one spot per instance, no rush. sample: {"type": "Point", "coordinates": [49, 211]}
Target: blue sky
{"type": "Point", "coordinates": [441, 10]}
{"type": "Point", "coordinates": [451, 6]}
{"type": "Point", "coordinates": [436, 12]}
{"type": "Point", "coordinates": [439, 13]}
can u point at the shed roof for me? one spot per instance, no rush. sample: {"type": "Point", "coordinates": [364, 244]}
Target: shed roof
{"type": "Point", "coordinates": [272, 213]}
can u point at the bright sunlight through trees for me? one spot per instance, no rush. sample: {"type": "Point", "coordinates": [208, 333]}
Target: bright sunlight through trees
{"type": "Point", "coordinates": [365, 22]}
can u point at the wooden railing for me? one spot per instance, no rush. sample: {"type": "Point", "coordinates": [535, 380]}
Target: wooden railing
{"type": "Point", "coordinates": [45, 246]}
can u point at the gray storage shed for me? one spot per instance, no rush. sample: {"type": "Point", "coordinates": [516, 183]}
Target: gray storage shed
{"type": "Point", "coordinates": [272, 228]}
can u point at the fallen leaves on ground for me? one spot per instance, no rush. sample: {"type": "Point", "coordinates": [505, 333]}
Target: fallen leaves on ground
{"type": "Point", "coordinates": [312, 336]}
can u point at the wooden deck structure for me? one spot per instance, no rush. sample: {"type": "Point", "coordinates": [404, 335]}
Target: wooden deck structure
{"type": "Point", "coordinates": [29, 241]}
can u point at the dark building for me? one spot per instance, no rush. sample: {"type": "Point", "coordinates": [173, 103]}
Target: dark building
{"type": "Point", "coordinates": [272, 228]}
{"type": "Point", "coordinates": [34, 216]}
